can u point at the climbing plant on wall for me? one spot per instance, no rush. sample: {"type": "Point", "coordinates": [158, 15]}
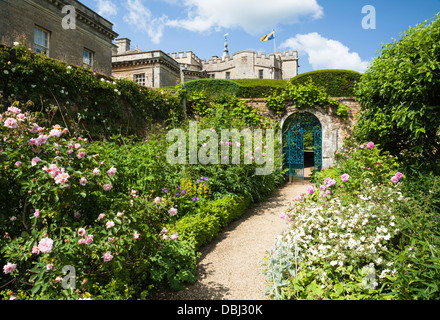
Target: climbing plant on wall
{"type": "Point", "coordinates": [304, 96]}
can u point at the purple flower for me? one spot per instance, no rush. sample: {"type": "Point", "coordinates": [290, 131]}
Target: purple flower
{"type": "Point", "coordinates": [195, 199]}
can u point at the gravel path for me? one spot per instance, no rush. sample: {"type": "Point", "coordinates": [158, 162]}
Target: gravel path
{"type": "Point", "coordinates": [229, 267]}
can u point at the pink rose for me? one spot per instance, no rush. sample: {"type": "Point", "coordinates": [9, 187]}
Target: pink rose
{"type": "Point", "coordinates": [395, 179]}
{"type": "Point", "coordinates": [14, 110]}
{"type": "Point", "coordinates": [81, 232]}
{"type": "Point", "coordinates": [109, 224]}
{"type": "Point", "coordinates": [35, 161]}
{"type": "Point", "coordinates": [89, 239]}
{"type": "Point", "coordinates": [45, 245]}
{"type": "Point", "coordinates": [345, 177]}
{"type": "Point", "coordinates": [172, 212]}
{"type": "Point", "coordinates": [107, 257]}
{"type": "Point", "coordinates": [370, 145]}
{"type": "Point", "coordinates": [174, 236]}
{"type": "Point", "coordinates": [107, 187]}
{"type": "Point", "coordinates": [11, 123]}
{"type": "Point", "coordinates": [83, 181]}
{"type": "Point", "coordinates": [136, 235]}
{"type": "Point", "coordinates": [37, 213]}
{"type": "Point", "coordinates": [18, 164]}
{"type": "Point", "coordinates": [62, 178]}
{"type": "Point", "coordinates": [9, 267]}
{"type": "Point", "coordinates": [35, 250]}
{"type": "Point", "coordinates": [399, 175]}
{"type": "Point", "coordinates": [81, 154]}
{"type": "Point", "coordinates": [111, 172]}
{"type": "Point", "coordinates": [96, 171]}
{"type": "Point", "coordinates": [310, 190]}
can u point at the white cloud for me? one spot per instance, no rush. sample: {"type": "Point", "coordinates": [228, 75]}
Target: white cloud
{"type": "Point", "coordinates": [141, 18]}
{"type": "Point", "coordinates": [254, 16]}
{"type": "Point", "coordinates": [325, 53]}
{"type": "Point", "coordinates": [106, 8]}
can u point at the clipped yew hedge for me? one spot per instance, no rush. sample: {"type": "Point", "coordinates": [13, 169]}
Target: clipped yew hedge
{"type": "Point", "coordinates": [336, 82]}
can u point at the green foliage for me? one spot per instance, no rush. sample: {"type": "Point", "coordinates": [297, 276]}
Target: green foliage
{"type": "Point", "coordinates": [212, 87]}
{"type": "Point", "coordinates": [201, 227]}
{"type": "Point", "coordinates": [399, 95]}
{"type": "Point", "coordinates": [258, 88]}
{"type": "Point", "coordinates": [79, 98]}
{"type": "Point", "coordinates": [337, 83]}
{"type": "Point", "coordinates": [303, 96]}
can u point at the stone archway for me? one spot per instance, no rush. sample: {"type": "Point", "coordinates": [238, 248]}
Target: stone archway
{"type": "Point", "coordinates": [332, 131]}
{"type": "Point", "coordinates": [296, 129]}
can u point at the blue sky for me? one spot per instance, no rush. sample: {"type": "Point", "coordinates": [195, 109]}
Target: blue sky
{"type": "Point", "coordinates": [327, 34]}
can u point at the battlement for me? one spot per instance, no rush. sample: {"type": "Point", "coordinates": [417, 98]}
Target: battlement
{"type": "Point", "coordinates": [287, 55]}
{"type": "Point", "coordinates": [187, 57]}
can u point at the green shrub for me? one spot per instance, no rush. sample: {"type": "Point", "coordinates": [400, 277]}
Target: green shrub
{"type": "Point", "coordinates": [337, 83]}
{"type": "Point", "coordinates": [202, 227]}
{"type": "Point", "coordinates": [258, 88]}
{"type": "Point", "coordinates": [212, 87]}
{"type": "Point", "coordinates": [399, 95]}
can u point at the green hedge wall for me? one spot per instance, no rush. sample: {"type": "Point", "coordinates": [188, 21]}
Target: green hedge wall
{"type": "Point", "coordinates": [337, 83]}
{"type": "Point", "coordinates": [241, 88]}
{"type": "Point", "coordinates": [213, 87]}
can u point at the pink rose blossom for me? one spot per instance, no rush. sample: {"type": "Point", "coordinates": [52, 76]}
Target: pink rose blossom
{"type": "Point", "coordinates": [310, 190]}
{"type": "Point", "coordinates": [101, 216]}
{"type": "Point", "coordinates": [111, 172]}
{"type": "Point", "coordinates": [9, 267]}
{"type": "Point", "coordinates": [35, 250]}
{"type": "Point", "coordinates": [136, 235]}
{"type": "Point", "coordinates": [49, 266]}
{"type": "Point", "coordinates": [107, 257]}
{"type": "Point", "coordinates": [62, 178]}
{"type": "Point", "coordinates": [89, 239]}
{"type": "Point", "coordinates": [11, 123]}
{"type": "Point", "coordinates": [96, 171]}
{"type": "Point", "coordinates": [14, 110]}
{"type": "Point", "coordinates": [107, 187]}
{"type": "Point", "coordinates": [37, 213]}
{"type": "Point", "coordinates": [395, 179]}
{"type": "Point", "coordinates": [18, 164]}
{"type": "Point", "coordinates": [81, 232]}
{"type": "Point", "coordinates": [77, 146]}
{"type": "Point", "coordinates": [83, 181]}
{"type": "Point", "coordinates": [21, 117]}
{"type": "Point", "coordinates": [370, 145]}
{"type": "Point", "coordinates": [45, 245]}
{"type": "Point", "coordinates": [345, 177]}
{"type": "Point", "coordinates": [35, 161]}
{"type": "Point", "coordinates": [81, 154]}
{"type": "Point", "coordinates": [172, 212]}
{"type": "Point", "coordinates": [55, 133]}
{"type": "Point", "coordinates": [174, 236]}
{"type": "Point", "coordinates": [109, 224]}
{"type": "Point", "coordinates": [399, 175]}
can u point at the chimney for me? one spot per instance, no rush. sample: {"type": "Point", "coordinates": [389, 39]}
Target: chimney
{"type": "Point", "coordinates": [123, 45]}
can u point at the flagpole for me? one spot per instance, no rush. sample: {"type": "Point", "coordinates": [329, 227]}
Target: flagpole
{"type": "Point", "coordinates": [274, 39]}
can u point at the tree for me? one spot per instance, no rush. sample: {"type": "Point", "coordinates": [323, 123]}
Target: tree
{"type": "Point", "coordinates": [400, 96]}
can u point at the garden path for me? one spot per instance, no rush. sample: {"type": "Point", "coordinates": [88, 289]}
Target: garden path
{"type": "Point", "coordinates": [229, 267]}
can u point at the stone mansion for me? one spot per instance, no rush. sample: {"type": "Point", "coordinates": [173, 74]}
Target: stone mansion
{"type": "Point", "coordinates": [157, 69]}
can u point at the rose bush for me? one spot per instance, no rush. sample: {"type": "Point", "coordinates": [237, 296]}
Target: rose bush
{"type": "Point", "coordinates": [59, 208]}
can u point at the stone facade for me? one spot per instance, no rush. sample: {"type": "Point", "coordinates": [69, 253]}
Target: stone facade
{"type": "Point", "coordinates": [248, 64]}
{"type": "Point", "coordinates": [187, 66]}
{"type": "Point", "coordinates": [93, 36]}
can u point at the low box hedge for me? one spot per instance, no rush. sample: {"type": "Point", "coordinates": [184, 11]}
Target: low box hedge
{"type": "Point", "coordinates": [202, 227]}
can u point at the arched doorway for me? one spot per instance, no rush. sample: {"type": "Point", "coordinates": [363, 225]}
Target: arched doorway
{"type": "Point", "coordinates": [302, 144]}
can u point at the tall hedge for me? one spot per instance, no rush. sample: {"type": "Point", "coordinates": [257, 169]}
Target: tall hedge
{"type": "Point", "coordinates": [400, 97]}
{"type": "Point", "coordinates": [337, 83]}
{"type": "Point", "coordinates": [212, 87]}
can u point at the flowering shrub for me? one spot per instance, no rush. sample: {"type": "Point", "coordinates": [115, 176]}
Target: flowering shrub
{"type": "Point", "coordinates": [59, 210]}
{"type": "Point", "coordinates": [329, 242]}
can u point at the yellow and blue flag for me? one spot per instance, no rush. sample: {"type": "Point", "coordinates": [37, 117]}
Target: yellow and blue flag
{"type": "Point", "coordinates": [269, 36]}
